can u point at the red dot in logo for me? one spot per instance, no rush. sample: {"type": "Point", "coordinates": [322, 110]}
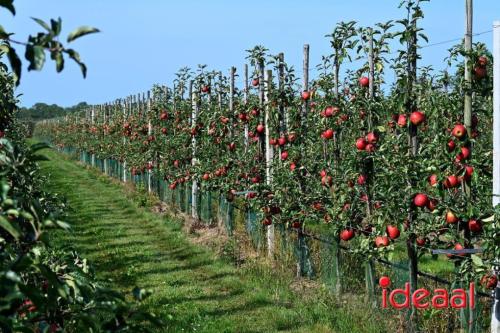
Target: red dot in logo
{"type": "Point", "coordinates": [384, 281]}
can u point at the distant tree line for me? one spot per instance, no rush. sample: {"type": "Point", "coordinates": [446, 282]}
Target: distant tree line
{"type": "Point", "coordinates": [41, 111]}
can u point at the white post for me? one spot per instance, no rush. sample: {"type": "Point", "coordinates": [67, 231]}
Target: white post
{"type": "Point", "coordinates": [194, 120]}
{"type": "Point", "coordinates": [495, 322]}
{"type": "Point", "coordinates": [269, 156]}
{"type": "Point", "coordinates": [105, 115]}
{"type": "Point", "coordinates": [150, 132]}
{"type": "Point", "coordinates": [496, 113]}
{"type": "Point", "coordinates": [92, 122]}
{"type": "Point", "coordinates": [245, 102]}
{"type": "Point", "coordinates": [124, 107]}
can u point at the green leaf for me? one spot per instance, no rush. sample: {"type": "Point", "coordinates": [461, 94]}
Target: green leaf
{"type": "Point", "coordinates": [9, 227]}
{"type": "Point", "coordinates": [59, 62]}
{"type": "Point", "coordinates": [42, 23]}
{"type": "Point", "coordinates": [81, 31]}
{"type": "Point", "coordinates": [76, 57]}
{"type": "Point", "coordinates": [15, 64]}
{"type": "Point", "coordinates": [477, 260]}
{"type": "Point", "coordinates": [35, 54]}
{"type": "Point", "coordinates": [3, 33]}
{"type": "Point", "coordinates": [9, 4]}
{"type": "Point", "coordinates": [56, 26]}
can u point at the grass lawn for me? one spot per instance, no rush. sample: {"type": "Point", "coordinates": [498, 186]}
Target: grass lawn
{"type": "Point", "coordinates": [192, 289]}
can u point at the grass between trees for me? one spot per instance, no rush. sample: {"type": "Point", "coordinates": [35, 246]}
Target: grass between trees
{"type": "Point", "coordinates": [193, 289]}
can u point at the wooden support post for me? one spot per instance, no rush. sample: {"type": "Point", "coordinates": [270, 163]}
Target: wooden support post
{"type": "Point", "coordinates": [369, 270]}
{"type": "Point", "coordinates": [194, 119]}
{"type": "Point", "coordinates": [150, 133]}
{"type": "Point", "coordinates": [125, 105]}
{"type": "Point", "coordinates": [468, 78]}
{"type": "Point", "coordinates": [411, 248]}
{"type": "Point", "coordinates": [105, 118]}
{"type": "Point", "coordinates": [496, 113]}
{"type": "Point", "coordinates": [303, 125]}
{"type": "Point", "coordinates": [262, 91]}
{"type": "Point", "coordinates": [269, 155]}
{"type": "Point", "coordinates": [305, 87]}
{"type": "Point", "coordinates": [92, 122]}
{"type": "Point", "coordinates": [281, 86]}
{"type": "Point", "coordinates": [245, 102]}
{"type": "Point", "coordinates": [231, 100]}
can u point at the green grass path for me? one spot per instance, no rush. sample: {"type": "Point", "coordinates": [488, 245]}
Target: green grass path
{"type": "Point", "coordinates": [130, 246]}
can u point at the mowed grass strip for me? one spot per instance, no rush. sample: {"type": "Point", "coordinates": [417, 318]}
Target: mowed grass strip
{"type": "Point", "coordinates": [193, 290]}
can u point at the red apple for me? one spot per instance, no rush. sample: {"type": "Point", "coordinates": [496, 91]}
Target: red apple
{"type": "Point", "coordinates": [370, 148]}
{"type": "Point", "coordinates": [328, 112]}
{"type": "Point", "coordinates": [206, 176]}
{"type": "Point", "coordinates": [267, 221]}
{"type": "Point", "coordinates": [347, 234]}
{"type": "Point", "coordinates": [284, 155]}
{"type": "Point", "coordinates": [361, 144]}
{"type": "Point", "coordinates": [392, 231]}
{"type": "Point", "coordinates": [164, 130]}
{"type": "Point", "coordinates": [402, 120]}
{"type": "Point", "coordinates": [420, 200]}
{"type": "Point", "coordinates": [451, 218]}
{"type": "Point", "coordinates": [205, 89]}
{"type": "Point", "coordinates": [282, 141]}
{"type": "Point", "coordinates": [255, 179]}
{"type": "Point", "coordinates": [451, 181]}
{"type": "Point", "coordinates": [328, 134]}
{"type": "Point", "coordinates": [364, 81]}
{"type": "Point", "coordinates": [459, 131]}
{"type": "Point", "coordinates": [306, 95]}
{"type": "Point", "coordinates": [432, 204]}
{"type": "Point", "coordinates": [255, 82]}
{"type": "Point", "coordinates": [381, 241]}
{"type": "Point", "coordinates": [433, 180]}
{"type": "Point", "coordinates": [417, 117]}
{"type": "Point", "coordinates": [372, 137]}
{"type": "Point", "coordinates": [451, 145]}
{"type": "Point", "coordinates": [482, 61]}
{"type": "Point", "coordinates": [362, 179]}
{"type": "Point", "coordinates": [468, 172]}
{"type": "Point", "coordinates": [420, 241]}
{"type": "Point", "coordinates": [292, 166]}
{"type": "Point", "coordinates": [489, 281]}
{"type": "Point", "coordinates": [465, 152]}
{"type": "Point", "coordinates": [260, 128]}
{"type": "Point", "coordinates": [480, 72]}
{"type": "Point", "coordinates": [457, 247]}
{"type": "Point", "coordinates": [327, 181]}
{"type": "Point", "coordinates": [475, 225]}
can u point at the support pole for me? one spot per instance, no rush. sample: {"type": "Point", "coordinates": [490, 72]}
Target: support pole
{"type": "Point", "coordinates": [92, 122]}
{"type": "Point", "coordinates": [495, 321]}
{"type": "Point", "coordinates": [496, 113]}
{"type": "Point", "coordinates": [150, 133]}
{"type": "Point", "coordinates": [245, 102]}
{"type": "Point", "coordinates": [194, 116]}
{"type": "Point", "coordinates": [269, 155]}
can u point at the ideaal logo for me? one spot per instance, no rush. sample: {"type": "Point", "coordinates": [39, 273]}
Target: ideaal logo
{"type": "Point", "coordinates": [422, 298]}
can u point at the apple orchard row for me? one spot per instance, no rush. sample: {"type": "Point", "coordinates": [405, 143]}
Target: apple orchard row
{"type": "Point", "coordinates": [317, 159]}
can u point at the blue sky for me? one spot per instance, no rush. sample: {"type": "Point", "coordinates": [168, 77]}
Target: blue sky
{"type": "Point", "coordinates": [146, 42]}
